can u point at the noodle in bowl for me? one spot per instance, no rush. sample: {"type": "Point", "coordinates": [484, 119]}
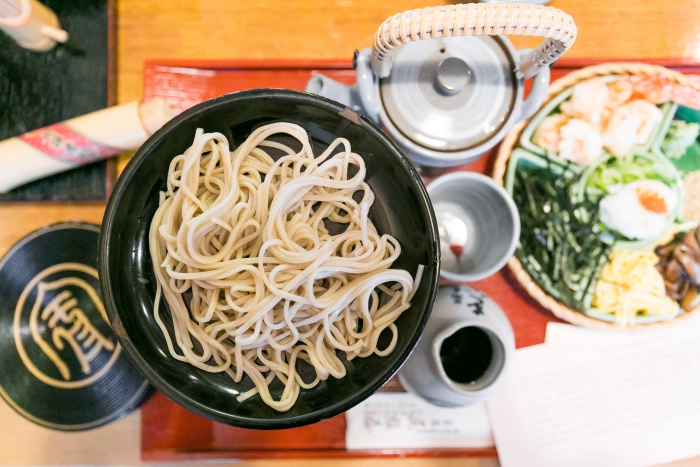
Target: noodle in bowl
{"type": "Point", "coordinates": [269, 275]}
{"type": "Point", "coordinates": [269, 284]}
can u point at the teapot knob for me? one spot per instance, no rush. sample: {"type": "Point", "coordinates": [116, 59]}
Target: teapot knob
{"type": "Point", "coordinates": [453, 75]}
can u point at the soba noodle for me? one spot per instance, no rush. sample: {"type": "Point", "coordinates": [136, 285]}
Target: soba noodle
{"type": "Point", "coordinates": [254, 280]}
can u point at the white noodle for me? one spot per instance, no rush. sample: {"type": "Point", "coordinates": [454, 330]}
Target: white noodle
{"type": "Point", "coordinates": [247, 237]}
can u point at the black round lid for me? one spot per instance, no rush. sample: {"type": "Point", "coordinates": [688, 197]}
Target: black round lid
{"type": "Point", "coordinates": [62, 366]}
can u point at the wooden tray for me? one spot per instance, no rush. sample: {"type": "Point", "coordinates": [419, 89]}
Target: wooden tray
{"type": "Point", "coordinates": [170, 432]}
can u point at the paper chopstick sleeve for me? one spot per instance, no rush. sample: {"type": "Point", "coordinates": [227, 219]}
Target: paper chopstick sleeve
{"type": "Point", "coordinates": [81, 140]}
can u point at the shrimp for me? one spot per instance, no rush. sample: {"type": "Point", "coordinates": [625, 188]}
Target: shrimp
{"type": "Point", "coordinates": [659, 89]}
{"type": "Point", "coordinates": [580, 142]}
{"type": "Point", "coordinates": [588, 102]}
{"type": "Point", "coordinates": [619, 92]}
{"type": "Point", "coordinates": [687, 96]}
{"type": "Point", "coordinates": [630, 124]}
{"type": "Point", "coordinates": [655, 89]}
{"type": "Point", "coordinates": [547, 135]}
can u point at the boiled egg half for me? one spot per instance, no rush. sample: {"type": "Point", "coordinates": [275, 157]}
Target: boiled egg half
{"type": "Point", "coordinates": [638, 210]}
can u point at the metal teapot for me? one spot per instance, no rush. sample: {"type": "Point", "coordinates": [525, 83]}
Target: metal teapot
{"type": "Point", "coordinates": [448, 100]}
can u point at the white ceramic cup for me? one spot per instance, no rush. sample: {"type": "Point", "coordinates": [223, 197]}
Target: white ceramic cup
{"type": "Point", "coordinates": [36, 27]}
{"type": "Point", "coordinates": [465, 349]}
{"type": "Point", "coordinates": [478, 222]}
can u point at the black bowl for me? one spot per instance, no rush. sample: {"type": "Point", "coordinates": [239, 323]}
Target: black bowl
{"type": "Point", "coordinates": [402, 209]}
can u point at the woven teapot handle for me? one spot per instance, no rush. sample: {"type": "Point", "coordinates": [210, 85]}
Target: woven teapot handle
{"type": "Point", "coordinates": [481, 19]}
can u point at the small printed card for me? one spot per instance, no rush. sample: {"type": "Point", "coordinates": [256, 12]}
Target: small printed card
{"type": "Point", "coordinates": [403, 421]}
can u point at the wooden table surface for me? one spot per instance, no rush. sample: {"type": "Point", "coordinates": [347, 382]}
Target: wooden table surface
{"type": "Point", "coordinates": [296, 29]}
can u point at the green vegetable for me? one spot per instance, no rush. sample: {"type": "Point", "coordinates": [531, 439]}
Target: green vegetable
{"type": "Point", "coordinates": [679, 138]}
{"type": "Point", "coordinates": [561, 246]}
{"type": "Point", "coordinates": [690, 161]}
{"type": "Point", "coordinates": [627, 169]}
{"type": "Point", "coordinates": [687, 114]}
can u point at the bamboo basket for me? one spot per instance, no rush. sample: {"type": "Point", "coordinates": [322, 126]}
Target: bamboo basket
{"type": "Point", "coordinates": [511, 141]}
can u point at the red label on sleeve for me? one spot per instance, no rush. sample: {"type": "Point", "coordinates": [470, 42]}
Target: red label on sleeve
{"type": "Point", "coordinates": [63, 143]}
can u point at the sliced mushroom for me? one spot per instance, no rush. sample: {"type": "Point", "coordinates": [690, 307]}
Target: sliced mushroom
{"type": "Point", "coordinates": [687, 302]}
{"type": "Point", "coordinates": [679, 264]}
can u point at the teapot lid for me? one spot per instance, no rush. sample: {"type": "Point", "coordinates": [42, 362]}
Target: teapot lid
{"type": "Point", "coordinates": [452, 93]}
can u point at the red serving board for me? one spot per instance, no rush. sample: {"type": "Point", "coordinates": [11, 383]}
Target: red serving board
{"type": "Point", "coordinates": [170, 432]}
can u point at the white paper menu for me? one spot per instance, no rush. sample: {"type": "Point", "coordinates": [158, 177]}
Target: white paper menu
{"type": "Point", "coordinates": [601, 399]}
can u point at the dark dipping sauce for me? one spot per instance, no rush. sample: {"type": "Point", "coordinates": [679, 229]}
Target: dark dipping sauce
{"type": "Point", "coordinates": [466, 355]}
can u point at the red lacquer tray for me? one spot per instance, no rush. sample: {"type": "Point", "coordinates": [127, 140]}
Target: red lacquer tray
{"type": "Point", "coordinates": [169, 432]}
